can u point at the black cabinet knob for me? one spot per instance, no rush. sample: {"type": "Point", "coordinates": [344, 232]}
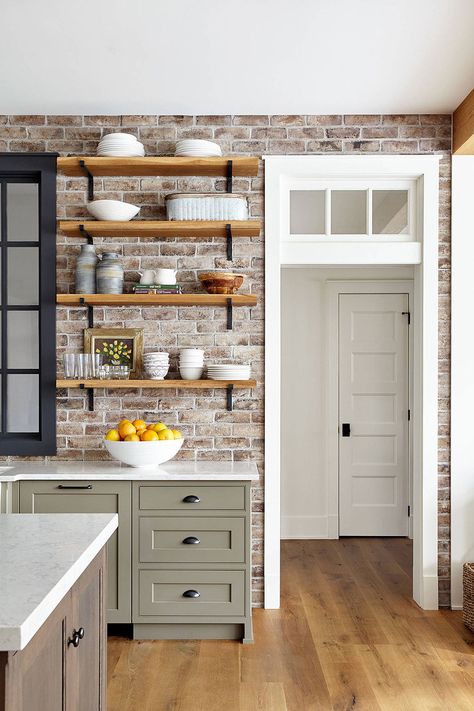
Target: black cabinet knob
{"type": "Point", "coordinates": [76, 637]}
{"type": "Point", "coordinates": [191, 593]}
{"type": "Point", "coordinates": [191, 499]}
{"type": "Point", "coordinates": [191, 540]}
{"type": "Point", "coordinates": [346, 429]}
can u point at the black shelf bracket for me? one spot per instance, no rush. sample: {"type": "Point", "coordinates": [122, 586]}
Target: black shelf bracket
{"type": "Point", "coordinates": [90, 396]}
{"type": "Point", "coordinates": [229, 176]}
{"type": "Point", "coordinates": [85, 233]}
{"type": "Point", "coordinates": [90, 311]}
{"type": "Point", "coordinates": [90, 178]}
{"type": "Point", "coordinates": [229, 394]}
{"type": "Point", "coordinates": [228, 235]}
{"type": "Point", "coordinates": [230, 319]}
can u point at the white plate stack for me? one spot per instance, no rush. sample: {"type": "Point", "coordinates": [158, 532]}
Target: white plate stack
{"type": "Point", "coordinates": [156, 365]}
{"type": "Point", "coordinates": [228, 371]}
{"type": "Point", "coordinates": [197, 148]}
{"type": "Point", "coordinates": [120, 144]}
{"type": "Point", "coordinates": [191, 363]}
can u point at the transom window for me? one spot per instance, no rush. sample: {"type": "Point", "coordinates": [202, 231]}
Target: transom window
{"type": "Point", "coordinates": [351, 210]}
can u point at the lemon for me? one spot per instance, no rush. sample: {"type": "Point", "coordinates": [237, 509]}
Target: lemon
{"type": "Point", "coordinates": [132, 438]}
{"type": "Point", "coordinates": [113, 436]}
{"type": "Point", "coordinates": [177, 434]}
{"type": "Point", "coordinates": [159, 426]}
{"type": "Point", "coordinates": [165, 434]}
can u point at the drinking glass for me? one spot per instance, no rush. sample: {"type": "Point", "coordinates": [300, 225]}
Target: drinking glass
{"type": "Point", "coordinates": [96, 364]}
{"type": "Point", "coordinates": [69, 362]}
{"type": "Point", "coordinates": [84, 365]}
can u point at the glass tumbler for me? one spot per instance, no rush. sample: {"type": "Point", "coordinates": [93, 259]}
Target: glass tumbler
{"type": "Point", "coordinates": [96, 364]}
{"type": "Point", "coordinates": [69, 362]}
{"type": "Point", "coordinates": [84, 366]}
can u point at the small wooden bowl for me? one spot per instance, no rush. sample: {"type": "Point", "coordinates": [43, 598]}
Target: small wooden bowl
{"type": "Point", "coordinates": [221, 282]}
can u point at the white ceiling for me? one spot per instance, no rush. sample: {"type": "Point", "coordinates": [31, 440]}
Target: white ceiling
{"type": "Point", "coordinates": [235, 56]}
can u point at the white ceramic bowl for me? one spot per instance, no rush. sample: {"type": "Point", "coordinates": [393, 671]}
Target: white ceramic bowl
{"type": "Point", "coordinates": [118, 137]}
{"type": "Point", "coordinates": [190, 373]}
{"type": "Point", "coordinates": [144, 454]}
{"type": "Point", "coordinates": [158, 372]}
{"type": "Point", "coordinates": [191, 361]}
{"type": "Point", "coordinates": [191, 351]}
{"type": "Point", "coordinates": [112, 210]}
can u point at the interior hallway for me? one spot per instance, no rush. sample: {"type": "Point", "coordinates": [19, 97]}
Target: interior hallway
{"type": "Point", "coordinates": [348, 636]}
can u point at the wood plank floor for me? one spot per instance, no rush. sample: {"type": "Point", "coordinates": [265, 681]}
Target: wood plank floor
{"type": "Point", "coordinates": [348, 636]}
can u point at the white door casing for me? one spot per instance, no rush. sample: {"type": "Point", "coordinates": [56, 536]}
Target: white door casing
{"type": "Point", "coordinates": [373, 414]}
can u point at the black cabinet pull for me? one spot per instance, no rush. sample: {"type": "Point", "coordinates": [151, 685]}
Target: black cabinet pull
{"type": "Point", "coordinates": [191, 540]}
{"type": "Point", "coordinates": [191, 499]}
{"type": "Point", "coordinates": [191, 593]}
{"type": "Point", "coordinates": [77, 635]}
{"type": "Point", "coordinates": [346, 429]}
{"type": "Point", "coordinates": [74, 486]}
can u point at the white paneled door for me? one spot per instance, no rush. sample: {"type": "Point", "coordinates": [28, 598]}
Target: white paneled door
{"type": "Point", "coordinates": [373, 414]}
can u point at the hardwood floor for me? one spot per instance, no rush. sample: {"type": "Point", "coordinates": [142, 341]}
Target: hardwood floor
{"type": "Point", "coordinates": [348, 636]}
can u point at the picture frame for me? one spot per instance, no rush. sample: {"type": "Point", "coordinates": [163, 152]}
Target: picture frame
{"type": "Point", "coordinates": [125, 343]}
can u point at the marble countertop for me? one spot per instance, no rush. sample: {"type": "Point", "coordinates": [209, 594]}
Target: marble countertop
{"type": "Point", "coordinates": [171, 471]}
{"type": "Point", "coordinates": [41, 557]}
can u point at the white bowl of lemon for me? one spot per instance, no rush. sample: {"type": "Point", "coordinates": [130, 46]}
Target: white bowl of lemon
{"type": "Point", "coordinates": [140, 445]}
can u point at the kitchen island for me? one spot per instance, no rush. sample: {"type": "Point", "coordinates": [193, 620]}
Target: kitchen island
{"type": "Point", "coordinates": [179, 565]}
{"type": "Point", "coordinates": [52, 611]}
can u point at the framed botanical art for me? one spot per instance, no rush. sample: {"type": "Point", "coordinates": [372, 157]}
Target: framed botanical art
{"type": "Point", "coordinates": [118, 346]}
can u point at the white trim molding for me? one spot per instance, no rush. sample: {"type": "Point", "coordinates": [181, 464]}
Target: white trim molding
{"type": "Point", "coordinates": [280, 172]}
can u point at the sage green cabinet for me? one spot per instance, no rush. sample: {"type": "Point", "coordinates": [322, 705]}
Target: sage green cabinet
{"type": "Point", "coordinates": [70, 496]}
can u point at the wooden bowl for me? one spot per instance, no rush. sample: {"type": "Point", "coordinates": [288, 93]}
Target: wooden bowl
{"type": "Point", "coordinates": [221, 282]}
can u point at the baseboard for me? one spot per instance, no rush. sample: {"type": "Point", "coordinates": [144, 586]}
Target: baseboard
{"type": "Point", "coordinates": [456, 607]}
{"type": "Point", "coordinates": [427, 596]}
{"type": "Point", "coordinates": [304, 527]}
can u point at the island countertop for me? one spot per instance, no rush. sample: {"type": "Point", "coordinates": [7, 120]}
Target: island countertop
{"type": "Point", "coordinates": [170, 471]}
{"type": "Point", "coordinates": [41, 557]}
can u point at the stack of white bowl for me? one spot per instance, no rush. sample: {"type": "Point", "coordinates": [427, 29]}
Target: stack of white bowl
{"type": "Point", "coordinates": [120, 144]}
{"type": "Point", "coordinates": [156, 365]}
{"type": "Point", "coordinates": [228, 371]}
{"type": "Point", "coordinates": [191, 363]}
{"type": "Point", "coordinates": [197, 148]}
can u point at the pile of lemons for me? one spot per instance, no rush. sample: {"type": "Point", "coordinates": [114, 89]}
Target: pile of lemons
{"type": "Point", "coordinates": [139, 431]}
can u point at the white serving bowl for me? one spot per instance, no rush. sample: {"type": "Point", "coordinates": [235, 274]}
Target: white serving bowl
{"type": "Point", "coordinates": [191, 351]}
{"type": "Point", "coordinates": [144, 454]}
{"type": "Point", "coordinates": [190, 373]}
{"type": "Point", "coordinates": [158, 372]}
{"type": "Point", "coordinates": [112, 210]}
{"type": "Point", "coordinates": [191, 361]}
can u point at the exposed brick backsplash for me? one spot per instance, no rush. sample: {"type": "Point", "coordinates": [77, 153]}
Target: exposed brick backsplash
{"type": "Point", "coordinates": [211, 432]}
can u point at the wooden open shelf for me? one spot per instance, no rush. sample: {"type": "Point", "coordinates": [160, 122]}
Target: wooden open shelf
{"type": "Point", "coordinates": [160, 228]}
{"type": "Point", "coordinates": [155, 299]}
{"type": "Point", "coordinates": [155, 384]}
{"type": "Point", "coordinates": [158, 165]}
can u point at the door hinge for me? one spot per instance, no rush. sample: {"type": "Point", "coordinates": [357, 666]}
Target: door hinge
{"type": "Point", "coordinates": [407, 313]}
{"type": "Point", "coordinates": [409, 415]}
{"type": "Point", "coordinates": [409, 511]}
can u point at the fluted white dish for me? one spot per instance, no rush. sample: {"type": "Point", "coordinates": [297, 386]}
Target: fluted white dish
{"type": "Point", "coordinates": [114, 210]}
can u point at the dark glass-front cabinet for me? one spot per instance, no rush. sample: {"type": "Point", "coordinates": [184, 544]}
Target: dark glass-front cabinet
{"type": "Point", "coordinates": [27, 304]}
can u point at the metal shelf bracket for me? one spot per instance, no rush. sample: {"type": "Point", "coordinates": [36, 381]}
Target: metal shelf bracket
{"type": "Point", "coordinates": [228, 234]}
{"type": "Point", "coordinates": [90, 311]}
{"type": "Point", "coordinates": [90, 178]}
{"type": "Point", "coordinates": [229, 315]}
{"type": "Point", "coordinates": [229, 176]}
{"type": "Point", "coordinates": [85, 233]}
{"type": "Point", "coordinates": [90, 396]}
{"type": "Point", "coordinates": [229, 395]}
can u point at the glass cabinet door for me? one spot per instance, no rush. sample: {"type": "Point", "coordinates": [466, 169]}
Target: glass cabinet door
{"type": "Point", "coordinates": [27, 304]}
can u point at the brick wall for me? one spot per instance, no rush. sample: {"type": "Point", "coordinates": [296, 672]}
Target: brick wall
{"type": "Point", "coordinates": [211, 432]}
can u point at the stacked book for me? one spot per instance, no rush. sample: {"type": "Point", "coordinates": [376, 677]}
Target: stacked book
{"type": "Point", "coordinates": [157, 289]}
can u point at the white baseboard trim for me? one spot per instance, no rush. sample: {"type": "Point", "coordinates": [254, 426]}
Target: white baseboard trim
{"type": "Point", "coordinates": [456, 607]}
{"type": "Point", "coordinates": [304, 527]}
{"type": "Point", "coordinates": [427, 598]}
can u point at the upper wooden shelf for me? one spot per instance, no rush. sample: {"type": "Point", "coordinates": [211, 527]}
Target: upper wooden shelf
{"type": "Point", "coordinates": [158, 165]}
{"type": "Point", "coordinates": [155, 299]}
{"type": "Point", "coordinates": [160, 228]}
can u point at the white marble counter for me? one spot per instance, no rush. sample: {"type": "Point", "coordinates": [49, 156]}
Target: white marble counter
{"type": "Point", "coordinates": [171, 471]}
{"type": "Point", "coordinates": [41, 557]}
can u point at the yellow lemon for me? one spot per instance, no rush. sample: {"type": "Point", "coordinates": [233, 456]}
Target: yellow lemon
{"type": "Point", "coordinates": [158, 426]}
{"type": "Point", "coordinates": [122, 422]}
{"type": "Point", "coordinates": [177, 434]}
{"type": "Point", "coordinates": [139, 425]}
{"type": "Point", "coordinates": [149, 436]}
{"type": "Point", "coordinates": [165, 434]}
{"type": "Point", "coordinates": [126, 428]}
{"type": "Point", "coordinates": [141, 431]}
{"type": "Point", "coordinates": [112, 435]}
{"type": "Point", "coordinates": [132, 438]}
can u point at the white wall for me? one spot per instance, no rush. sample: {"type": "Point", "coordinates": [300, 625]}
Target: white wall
{"type": "Point", "coordinates": [304, 506]}
{"type": "Point", "coordinates": [462, 372]}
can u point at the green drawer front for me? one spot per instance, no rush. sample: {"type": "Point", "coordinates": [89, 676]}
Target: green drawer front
{"type": "Point", "coordinates": [209, 497]}
{"type": "Point", "coordinates": [210, 540]}
{"type": "Point", "coordinates": [221, 593]}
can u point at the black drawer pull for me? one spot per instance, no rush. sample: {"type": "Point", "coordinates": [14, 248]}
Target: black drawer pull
{"type": "Point", "coordinates": [191, 540]}
{"type": "Point", "coordinates": [77, 635]}
{"type": "Point", "coordinates": [191, 499]}
{"type": "Point", "coordinates": [191, 593]}
{"type": "Point", "coordinates": [74, 486]}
